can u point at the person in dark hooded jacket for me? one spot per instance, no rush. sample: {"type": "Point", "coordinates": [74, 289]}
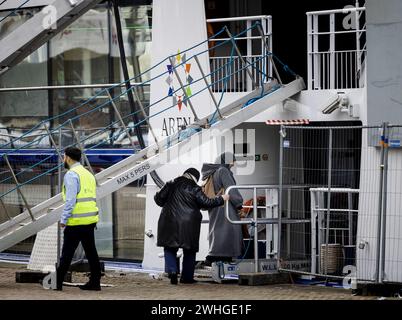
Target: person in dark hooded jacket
{"type": "Point", "coordinates": [180, 221]}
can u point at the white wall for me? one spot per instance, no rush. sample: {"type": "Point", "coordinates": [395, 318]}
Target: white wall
{"type": "Point", "coordinates": [384, 67]}
{"type": "Point", "coordinates": [177, 25]}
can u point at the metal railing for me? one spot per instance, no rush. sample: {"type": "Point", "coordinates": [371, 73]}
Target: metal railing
{"type": "Point", "coordinates": [18, 178]}
{"type": "Point", "coordinates": [336, 58]}
{"type": "Point", "coordinates": [258, 43]}
{"type": "Point", "coordinates": [273, 220]}
{"type": "Point", "coordinates": [322, 230]}
{"type": "Point", "coordinates": [352, 196]}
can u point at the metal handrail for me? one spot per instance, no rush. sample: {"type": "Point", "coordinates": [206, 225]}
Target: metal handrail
{"type": "Point", "coordinates": [326, 12]}
{"type": "Point", "coordinates": [251, 18]}
{"type": "Point", "coordinates": [255, 220]}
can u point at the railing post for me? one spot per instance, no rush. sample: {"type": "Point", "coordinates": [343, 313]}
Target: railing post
{"type": "Point", "coordinates": [350, 219]}
{"type": "Point", "coordinates": [54, 143]}
{"type": "Point", "coordinates": [121, 119]}
{"type": "Point", "coordinates": [358, 57]}
{"type": "Point", "coordinates": [209, 87]}
{"type": "Point", "coordinates": [268, 30]}
{"type": "Point", "coordinates": [249, 53]}
{"type": "Point", "coordinates": [18, 188]}
{"type": "Point", "coordinates": [60, 162]}
{"type": "Point", "coordinates": [184, 90]}
{"type": "Point", "coordinates": [145, 115]}
{"type": "Point", "coordinates": [316, 54]}
{"type": "Point", "coordinates": [332, 51]}
{"type": "Point", "coordinates": [5, 209]}
{"type": "Point", "coordinates": [255, 217]}
{"type": "Point", "coordinates": [241, 57]}
{"type": "Point", "coordinates": [313, 206]}
{"type": "Point", "coordinates": [270, 55]}
{"type": "Point", "coordinates": [83, 151]}
{"type": "Point", "coordinates": [310, 64]}
{"type": "Point", "coordinates": [332, 73]}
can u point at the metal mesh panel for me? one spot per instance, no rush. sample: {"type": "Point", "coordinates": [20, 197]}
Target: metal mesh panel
{"type": "Point", "coordinates": [331, 177]}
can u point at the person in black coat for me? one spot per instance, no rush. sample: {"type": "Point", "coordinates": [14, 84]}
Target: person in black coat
{"type": "Point", "coordinates": [179, 224]}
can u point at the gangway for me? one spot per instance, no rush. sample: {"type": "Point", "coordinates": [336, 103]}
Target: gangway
{"type": "Point", "coordinates": [46, 213]}
{"type": "Point", "coordinates": [39, 29]}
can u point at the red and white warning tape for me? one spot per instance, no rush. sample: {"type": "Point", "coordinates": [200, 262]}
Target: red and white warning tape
{"type": "Point", "coordinates": [287, 122]}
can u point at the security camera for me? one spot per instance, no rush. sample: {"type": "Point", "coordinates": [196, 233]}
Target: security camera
{"type": "Point", "coordinates": [332, 104]}
{"type": "Point", "coordinates": [363, 244]}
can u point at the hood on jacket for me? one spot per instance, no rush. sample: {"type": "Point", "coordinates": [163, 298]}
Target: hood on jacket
{"type": "Point", "coordinates": [209, 169]}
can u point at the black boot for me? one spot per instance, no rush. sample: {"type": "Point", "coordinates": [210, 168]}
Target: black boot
{"type": "Point", "coordinates": [173, 277]}
{"type": "Point", "coordinates": [59, 281]}
{"type": "Point", "coordinates": [93, 285]}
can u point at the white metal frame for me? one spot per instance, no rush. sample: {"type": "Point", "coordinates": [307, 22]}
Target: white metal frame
{"type": "Point", "coordinates": [318, 212]}
{"type": "Point", "coordinates": [272, 219]}
{"type": "Point", "coordinates": [334, 69]}
{"type": "Point", "coordinates": [217, 62]}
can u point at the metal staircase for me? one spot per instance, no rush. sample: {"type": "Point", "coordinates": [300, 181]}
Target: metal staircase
{"type": "Point", "coordinates": [39, 29]}
{"type": "Point", "coordinates": [33, 219]}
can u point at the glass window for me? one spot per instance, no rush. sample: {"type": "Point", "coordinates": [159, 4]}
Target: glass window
{"type": "Point", "coordinates": [23, 109]}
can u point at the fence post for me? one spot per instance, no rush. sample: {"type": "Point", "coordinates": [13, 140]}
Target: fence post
{"type": "Point", "coordinates": [380, 202]}
{"type": "Point", "coordinates": [328, 199]}
{"type": "Point", "coordinates": [384, 202]}
{"type": "Point", "coordinates": [282, 134]}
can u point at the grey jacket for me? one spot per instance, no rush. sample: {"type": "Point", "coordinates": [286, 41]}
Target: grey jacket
{"type": "Point", "coordinates": [225, 239]}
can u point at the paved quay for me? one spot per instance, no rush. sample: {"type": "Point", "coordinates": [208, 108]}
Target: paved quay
{"type": "Point", "coordinates": [141, 286]}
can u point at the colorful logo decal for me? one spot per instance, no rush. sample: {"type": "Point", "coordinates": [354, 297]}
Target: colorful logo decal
{"type": "Point", "coordinates": [186, 68]}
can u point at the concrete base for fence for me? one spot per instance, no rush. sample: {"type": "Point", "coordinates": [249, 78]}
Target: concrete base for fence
{"type": "Point", "coordinates": [259, 279]}
{"type": "Point", "coordinates": [381, 290]}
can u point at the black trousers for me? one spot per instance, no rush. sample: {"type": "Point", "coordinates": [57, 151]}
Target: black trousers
{"type": "Point", "coordinates": [73, 235]}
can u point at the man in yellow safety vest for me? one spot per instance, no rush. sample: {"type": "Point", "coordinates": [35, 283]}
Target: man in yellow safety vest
{"type": "Point", "coordinates": [79, 218]}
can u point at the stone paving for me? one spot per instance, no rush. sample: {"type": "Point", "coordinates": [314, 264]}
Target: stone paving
{"type": "Point", "coordinates": [140, 286]}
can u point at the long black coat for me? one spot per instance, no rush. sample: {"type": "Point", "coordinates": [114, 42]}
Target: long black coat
{"type": "Point", "coordinates": [180, 220]}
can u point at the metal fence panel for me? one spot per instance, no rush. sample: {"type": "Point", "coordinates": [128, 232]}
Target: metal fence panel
{"type": "Point", "coordinates": [332, 178]}
{"type": "Point", "coordinates": [391, 253]}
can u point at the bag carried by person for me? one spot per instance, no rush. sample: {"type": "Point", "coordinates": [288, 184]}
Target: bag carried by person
{"type": "Point", "coordinates": [209, 190]}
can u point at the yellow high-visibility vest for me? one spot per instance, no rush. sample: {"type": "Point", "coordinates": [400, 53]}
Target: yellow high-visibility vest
{"type": "Point", "coordinates": [85, 210]}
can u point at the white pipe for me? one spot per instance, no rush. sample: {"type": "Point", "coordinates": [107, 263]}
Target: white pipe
{"type": "Point", "coordinates": [239, 18]}
{"type": "Point", "coordinates": [324, 12]}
